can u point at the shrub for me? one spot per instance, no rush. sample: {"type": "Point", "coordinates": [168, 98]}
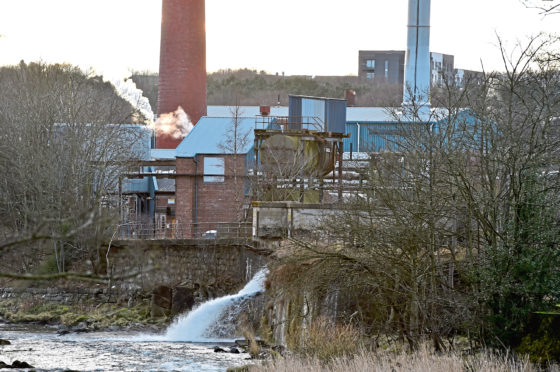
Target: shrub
{"type": "Point", "coordinates": [543, 345]}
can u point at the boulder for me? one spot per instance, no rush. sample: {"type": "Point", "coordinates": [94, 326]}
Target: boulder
{"type": "Point", "coordinates": [234, 350]}
{"type": "Point", "coordinates": [81, 327]}
{"type": "Point", "coordinates": [18, 364]}
{"type": "Point", "coordinates": [183, 300]}
{"type": "Point", "coordinates": [4, 342]}
{"type": "Point", "coordinates": [218, 349]}
{"type": "Point", "coordinates": [162, 298]}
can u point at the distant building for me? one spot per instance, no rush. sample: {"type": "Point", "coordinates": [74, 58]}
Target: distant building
{"type": "Point", "coordinates": [382, 66]}
{"type": "Point", "coordinates": [442, 67]}
{"type": "Point", "coordinates": [463, 76]}
{"type": "Point", "coordinates": [387, 66]}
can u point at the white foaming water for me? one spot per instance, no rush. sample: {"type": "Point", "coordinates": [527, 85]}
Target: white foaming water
{"type": "Point", "coordinates": [193, 326]}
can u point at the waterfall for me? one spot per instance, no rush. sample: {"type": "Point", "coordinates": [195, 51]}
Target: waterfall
{"type": "Point", "coordinates": [208, 319]}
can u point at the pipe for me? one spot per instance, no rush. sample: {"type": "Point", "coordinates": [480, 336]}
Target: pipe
{"type": "Point", "coordinates": [359, 130]}
{"type": "Point", "coordinates": [195, 193]}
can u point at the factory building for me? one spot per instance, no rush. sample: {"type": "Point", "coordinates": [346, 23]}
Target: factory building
{"type": "Point", "coordinates": [387, 66]}
{"type": "Point", "coordinates": [225, 163]}
{"type": "Point", "coordinates": [269, 166]}
{"type": "Point", "coordinates": [211, 180]}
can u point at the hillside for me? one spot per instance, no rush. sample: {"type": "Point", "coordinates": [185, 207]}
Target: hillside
{"type": "Point", "coordinates": [249, 87]}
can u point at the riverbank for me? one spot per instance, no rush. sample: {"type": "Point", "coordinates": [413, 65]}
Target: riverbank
{"type": "Point", "coordinates": [421, 360]}
{"type": "Point", "coordinates": [85, 316]}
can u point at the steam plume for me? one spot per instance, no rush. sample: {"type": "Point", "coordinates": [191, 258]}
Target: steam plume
{"type": "Point", "coordinates": [175, 124]}
{"type": "Point", "coordinates": [126, 88]}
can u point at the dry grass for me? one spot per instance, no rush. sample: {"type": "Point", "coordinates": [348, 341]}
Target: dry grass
{"type": "Point", "coordinates": [324, 340]}
{"type": "Point", "coordinates": [252, 343]}
{"type": "Point", "coordinates": [421, 360]}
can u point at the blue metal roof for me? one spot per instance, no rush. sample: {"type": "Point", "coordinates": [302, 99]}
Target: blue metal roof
{"type": "Point", "coordinates": [162, 154]}
{"type": "Point", "coordinates": [377, 114]}
{"type": "Point", "coordinates": [210, 134]}
{"type": "Point", "coordinates": [353, 114]}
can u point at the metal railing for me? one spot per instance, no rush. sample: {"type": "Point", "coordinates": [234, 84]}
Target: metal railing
{"type": "Point", "coordinates": [290, 123]}
{"type": "Point", "coordinates": [205, 230]}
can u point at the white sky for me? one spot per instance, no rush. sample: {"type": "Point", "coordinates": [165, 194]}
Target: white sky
{"type": "Point", "coordinates": [312, 37]}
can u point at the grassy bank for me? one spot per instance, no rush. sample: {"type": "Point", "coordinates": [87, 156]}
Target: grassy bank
{"type": "Point", "coordinates": [95, 316]}
{"type": "Point", "coordinates": [422, 360]}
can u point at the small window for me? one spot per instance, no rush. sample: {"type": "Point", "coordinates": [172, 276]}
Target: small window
{"type": "Point", "coordinates": [370, 75]}
{"type": "Point", "coordinates": [214, 166]}
{"type": "Point", "coordinates": [370, 63]}
{"type": "Point", "coordinates": [386, 68]}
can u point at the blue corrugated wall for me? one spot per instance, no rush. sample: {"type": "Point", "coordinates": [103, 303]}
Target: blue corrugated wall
{"type": "Point", "coordinates": [371, 137]}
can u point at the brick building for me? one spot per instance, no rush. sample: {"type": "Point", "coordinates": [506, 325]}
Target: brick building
{"type": "Point", "coordinates": [211, 184]}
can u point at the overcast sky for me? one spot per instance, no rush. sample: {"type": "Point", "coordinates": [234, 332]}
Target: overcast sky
{"type": "Point", "coordinates": [312, 37]}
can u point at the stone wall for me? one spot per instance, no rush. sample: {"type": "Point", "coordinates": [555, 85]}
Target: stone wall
{"type": "Point", "coordinates": [206, 269]}
{"type": "Point", "coordinates": [55, 295]}
{"type": "Point", "coordinates": [220, 267]}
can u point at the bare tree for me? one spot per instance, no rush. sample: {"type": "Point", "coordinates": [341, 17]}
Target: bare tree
{"type": "Point", "coordinates": [62, 150]}
{"type": "Point", "coordinates": [235, 143]}
{"type": "Point", "coordinates": [546, 7]}
{"type": "Point", "coordinates": [456, 230]}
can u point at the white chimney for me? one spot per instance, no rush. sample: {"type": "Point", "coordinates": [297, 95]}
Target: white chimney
{"type": "Point", "coordinates": [417, 63]}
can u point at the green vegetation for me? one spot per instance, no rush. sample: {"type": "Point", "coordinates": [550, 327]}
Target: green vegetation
{"type": "Point", "coordinates": [96, 316]}
{"type": "Point", "coordinates": [542, 343]}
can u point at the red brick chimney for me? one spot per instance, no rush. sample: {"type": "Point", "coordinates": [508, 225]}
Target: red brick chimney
{"type": "Point", "coordinates": [182, 63]}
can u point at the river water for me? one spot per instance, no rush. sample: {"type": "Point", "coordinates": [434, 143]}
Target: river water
{"type": "Point", "coordinates": [187, 345]}
{"type": "Point", "coordinates": [110, 351]}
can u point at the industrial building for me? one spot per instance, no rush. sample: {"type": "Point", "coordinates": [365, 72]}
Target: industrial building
{"type": "Point", "coordinates": [264, 169]}
{"type": "Point", "coordinates": [387, 67]}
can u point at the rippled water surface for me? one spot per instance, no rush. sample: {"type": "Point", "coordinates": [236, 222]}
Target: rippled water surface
{"type": "Point", "coordinates": [110, 351]}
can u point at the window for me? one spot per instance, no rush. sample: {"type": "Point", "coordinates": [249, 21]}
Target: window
{"type": "Point", "coordinates": [386, 67]}
{"type": "Point", "coordinates": [215, 167]}
{"type": "Point", "coordinates": [370, 75]}
{"type": "Point", "coordinates": [370, 63]}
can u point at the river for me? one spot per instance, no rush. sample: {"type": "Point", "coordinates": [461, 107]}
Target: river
{"type": "Point", "coordinates": [44, 349]}
{"type": "Point", "coordinates": [187, 345]}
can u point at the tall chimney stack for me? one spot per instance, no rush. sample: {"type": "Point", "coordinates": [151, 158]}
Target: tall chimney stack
{"type": "Point", "coordinates": [182, 63]}
{"type": "Point", "coordinates": [417, 65]}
